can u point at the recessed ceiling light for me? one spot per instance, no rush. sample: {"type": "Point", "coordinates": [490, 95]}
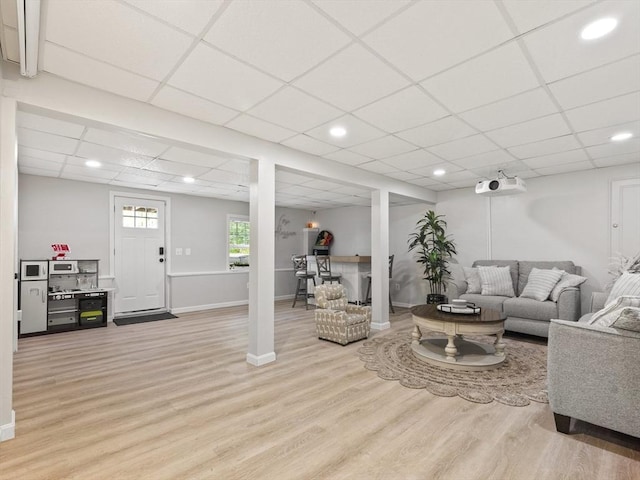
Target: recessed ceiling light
{"type": "Point", "coordinates": [598, 29]}
{"type": "Point", "coordinates": [439, 172]}
{"type": "Point", "coordinates": [93, 163]}
{"type": "Point", "coordinates": [188, 179]}
{"type": "Point", "coordinates": [338, 132]}
{"type": "Point", "coordinates": [618, 137]}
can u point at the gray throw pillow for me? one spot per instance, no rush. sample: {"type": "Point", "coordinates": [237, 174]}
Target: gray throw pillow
{"type": "Point", "coordinates": [567, 280]}
{"type": "Point", "coordinates": [496, 281]}
{"type": "Point", "coordinates": [629, 319]}
{"type": "Point", "coordinates": [472, 277]}
{"type": "Point", "coordinates": [540, 283]}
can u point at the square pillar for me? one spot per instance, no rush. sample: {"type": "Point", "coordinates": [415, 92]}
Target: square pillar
{"type": "Point", "coordinates": [380, 260]}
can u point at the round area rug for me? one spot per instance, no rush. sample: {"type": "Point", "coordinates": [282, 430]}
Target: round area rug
{"type": "Point", "coordinates": [521, 378]}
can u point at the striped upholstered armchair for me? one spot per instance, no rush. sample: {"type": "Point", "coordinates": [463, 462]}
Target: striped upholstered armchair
{"type": "Point", "coordinates": [337, 320]}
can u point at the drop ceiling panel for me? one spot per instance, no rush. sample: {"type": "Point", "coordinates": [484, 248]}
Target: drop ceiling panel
{"type": "Point", "coordinates": [496, 157]}
{"type": "Point", "coordinates": [440, 131]}
{"type": "Point", "coordinates": [310, 145]}
{"type": "Point", "coordinates": [284, 39]}
{"type": "Point", "coordinates": [339, 80]}
{"type": "Point", "coordinates": [428, 171]}
{"type": "Point", "coordinates": [519, 108]}
{"type": "Point", "coordinates": [41, 154]}
{"type": "Point", "coordinates": [603, 135]}
{"type": "Point", "coordinates": [49, 125]}
{"type": "Point", "coordinates": [222, 176]}
{"type": "Point", "coordinates": [46, 141]}
{"type": "Point", "coordinates": [556, 159]}
{"type": "Point", "coordinates": [259, 128]}
{"type": "Point", "coordinates": [377, 166]}
{"type": "Point", "coordinates": [531, 131]}
{"type": "Point", "coordinates": [545, 147]}
{"type": "Point", "coordinates": [356, 19]}
{"type": "Point", "coordinates": [174, 168]}
{"type": "Point", "coordinates": [384, 147]}
{"type": "Point", "coordinates": [347, 157]}
{"type": "Point", "coordinates": [183, 155]}
{"type": "Point", "coordinates": [107, 30]}
{"type": "Point", "coordinates": [616, 148]}
{"type": "Point", "coordinates": [215, 76]}
{"type": "Point", "coordinates": [191, 16]}
{"type": "Point", "coordinates": [463, 147]}
{"type": "Point", "coordinates": [81, 170]}
{"type": "Point", "coordinates": [623, 109]}
{"type": "Point", "coordinates": [530, 15]}
{"type": "Point", "coordinates": [501, 73]}
{"type": "Point", "coordinates": [295, 110]}
{"type": "Point", "coordinates": [429, 37]}
{"type": "Point", "coordinates": [128, 142]}
{"type": "Point", "coordinates": [240, 167]}
{"type": "Point", "coordinates": [101, 153]}
{"type": "Point", "coordinates": [37, 171]}
{"type": "Point", "coordinates": [565, 168]}
{"type": "Point", "coordinates": [599, 84]}
{"type": "Point", "coordinates": [357, 132]}
{"type": "Point", "coordinates": [405, 109]}
{"type": "Point", "coordinates": [575, 55]}
{"type": "Point", "coordinates": [410, 160]}
{"type": "Point", "coordinates": [619, 160]}
{"type": "Point", "coordinates": [192, 106]}
{"type": "Point", "coordinates": [40, 164]}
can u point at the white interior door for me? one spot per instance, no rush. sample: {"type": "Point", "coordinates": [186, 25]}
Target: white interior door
{"type": "Point", "coordinates": [625, 221]}
{"type": "Point", "coordinates": [139, 250]}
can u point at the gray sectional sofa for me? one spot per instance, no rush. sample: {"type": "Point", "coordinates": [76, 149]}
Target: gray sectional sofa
{"type": "Point", "coordinates": [525, 315]}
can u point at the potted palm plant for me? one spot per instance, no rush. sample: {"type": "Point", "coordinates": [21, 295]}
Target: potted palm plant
{"type": "Point", "coordinates": [434, 249]}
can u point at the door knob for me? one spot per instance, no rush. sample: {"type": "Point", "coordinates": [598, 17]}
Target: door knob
{"type": "Point", "coordinates": [615, 225]}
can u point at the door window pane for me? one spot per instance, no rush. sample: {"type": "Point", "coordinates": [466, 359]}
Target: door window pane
{"type": "Point", "coordinates": [139, 217]}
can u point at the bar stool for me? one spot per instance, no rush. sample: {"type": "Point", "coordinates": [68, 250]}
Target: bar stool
{"type": "Point", "coordinates": [323, 264]}
{"type": "Point", "coordinates": [368, 296]}
{"type": "Point", "coordinates": [302, 276]}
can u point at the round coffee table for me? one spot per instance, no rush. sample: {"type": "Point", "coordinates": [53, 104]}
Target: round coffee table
{"type": "Point", "coordinates": [449, 349]}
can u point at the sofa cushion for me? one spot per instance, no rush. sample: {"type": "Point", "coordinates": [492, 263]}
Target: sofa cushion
{"type": "Point", "coordinates": [566, 281]}
{"type": "Point", "coordinates": [530, 308]}
{"type": "Point", "coordinates": [472, 276]}
{"type": "Point", "coordinates": [525, 267]}
{"type": "Point", "coordinates": [626, 284]}
{"type": "Point", "coordinates": [496, 281]}
{"type": "Point", "coordinates": [541, 283]}
{"type": "Point", "coordinates": [512, 264]}
{"type": "Point", "coordinates": [629, 319]}
{"type": "Point", "coordinates": [485, 301]}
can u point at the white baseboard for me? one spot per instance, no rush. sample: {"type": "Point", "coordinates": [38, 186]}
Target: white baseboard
{"type": "Point", "coordinates": [262, 359]}
{"type": "Point", "coordinates": [380, 326]}
{"type": "Point", "coordinates": [8, 431]}
{"type": "Point", "coordinates": [211, 306]}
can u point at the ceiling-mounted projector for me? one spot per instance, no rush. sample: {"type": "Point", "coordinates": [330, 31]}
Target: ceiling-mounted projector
{"type": "Point", "coordinates": [502, 185]}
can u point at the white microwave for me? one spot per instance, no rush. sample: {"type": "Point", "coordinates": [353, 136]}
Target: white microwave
{"type": "Point", "coordinates": [61, 267]}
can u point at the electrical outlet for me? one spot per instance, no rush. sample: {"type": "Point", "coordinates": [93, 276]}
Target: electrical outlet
{"type": "Point", "coordinates": [187, 251]}
{"type": "Point", "coordinates": [178, 251]}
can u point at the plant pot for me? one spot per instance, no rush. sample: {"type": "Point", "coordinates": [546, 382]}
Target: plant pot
{"type": "Point", "coordinates": [436, 299]}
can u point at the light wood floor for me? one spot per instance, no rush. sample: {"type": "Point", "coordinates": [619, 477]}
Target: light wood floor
{"type": "Point", "coordinates": [175, 399]}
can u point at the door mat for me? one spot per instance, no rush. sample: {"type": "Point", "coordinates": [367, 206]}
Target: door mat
{"type": "Point", "coordinates": [143, 318]}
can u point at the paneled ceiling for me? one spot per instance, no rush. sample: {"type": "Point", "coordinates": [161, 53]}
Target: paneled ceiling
{"type": "Point", "coordinates": [468, 87]}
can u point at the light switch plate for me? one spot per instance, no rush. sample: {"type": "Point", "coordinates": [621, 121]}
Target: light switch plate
{"type": "Point", "coordinates": [178, 251]}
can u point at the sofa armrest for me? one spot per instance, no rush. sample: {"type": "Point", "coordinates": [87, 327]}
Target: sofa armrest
{"type": "Point", "coordinates": [594, 374]}
{"type": "Point", "coordinates": [360, 310]}
{"type": "Point", "coordinates": [598, 300]}
{"type": "Point", "coordinates": [569, 304]}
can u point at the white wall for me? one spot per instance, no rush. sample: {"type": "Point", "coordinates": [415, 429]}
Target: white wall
{"type": "Point", "coordinates": [53, 210]}
{"type": "Point", "coordinates": [561, 217]}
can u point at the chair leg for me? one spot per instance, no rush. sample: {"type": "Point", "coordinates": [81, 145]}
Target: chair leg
{"type": "Point", "coordinates": [391, 304]}
{"type": "Point", "coordinates": [367, 297]}
{"type": "Point", "coordinates": [563, 423]}
{"type": "Point", "coordinates": [295, 298]}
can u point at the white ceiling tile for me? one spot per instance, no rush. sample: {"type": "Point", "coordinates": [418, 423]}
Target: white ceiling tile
{"type": "Point", "coordinates": [410, 160]}
{"type": "Point", "coordinates": [259, 128]}
{"type": "Point", "coordinates": [383, 147]}
{"type": "Point", "coordinates": [284, 39]}
{"type": "Point", "coordinates": [459, 176]}
{"type": "Point", "coordinates": [351, 190]}
{"type": "Point", "coordinates": [603, 135]}
{"type": "Point", "coordinates": [545, 147]}
{"type": "Point", "coordinates": [428, 171]}
{"type": "Point", "coordinates": [577, 55]}
{"type": "Point", "coordinates": [107, 31]}
{"type": "Point", "coordinates": [101, 153]}
{"type": "Point", "coordinates": [619, 160]}
{"type": "Point", "coordinates": [509, 168]}
{"type": "Point", "coordinates": [429, 37]}
{"type": "Point", "coordinates": [215, 76]}
{"type": "Point", "coordinates": [79, 68]}
{"type": "Point", "coordinates": [308, 144]}
{"type": "Point", "coordinates": [501, 73]}
{"type": "Point", "coordinates": [347, 157]}
{"type": "Point", "coordinates": [175, 168]}
{"type": "Point", "coordinates": [424, 182]}
{"type": "Point", "coordinates": [468, 183]}
{"type": "Point", "coordinates": [38, 163]}
{"type": "Point", "coordinates": [402, 110]}
{"type": "Point", "coordinates": [530, 15]}
{"type": "Point", "coordinates": [191, 16]}
{"type": "Point", "coordinates": [565, 168]}
{"type": "Point", "coordinates": [81, 170]}
{"type": "Point", "coordinates": [356, 19]}
{"type": "Point", "coordinates": [615, 148]}
{"type": "Point", "coordinates": [556, 159]}
{"type": "Point", "coordinates": [144, 177]}
{"type": "Point", "coordinates": [377, 166]}
{"type": "Point", "coordinates": [189, 105]}
{"type": "Point", "coordinates": [183, 155]}
{"type": "Point", "coordinates": [84, 178]}
{"type": "Point", "coordinates": [46, 141]}
{"type": "Point", "coordinates": [440, 131]}
{"type": "Point", "coordinates": [519, 108]}
{"type": "Point", "coordinates": [401, 175]}
{"type": "Point", "coordinates": [49, 125]}
{"type": "Point", "coordinates": [323, 184]}
{"type": "Point", "coordinates": [37, 171]}
{"type": "Point", "coordinates": [129, 142]}
{"type": "Point", "coordinates": [496, 157]}
{"type": "Point", "coordinates": [598, 84]}
{"type": "Point", "coordinates": [463, 147]}
{"type": "Point", "coordinates": [291, 178]}
{"type": "Point", "coordinates": [222, 176]}
{"type": "Point", "coordinates": [237, 166]}
{"type": "Point", "coordinates": [41, 154]}
{"type": "Point", "coordinates": [295, 110]}
{"type": "Point", "coordinates": [299, 190]}
{"type": "Point", "coordinates": [608, 112]}
{"type": "Point", "coordinates": [357, 132]}
{"type": "Point", "coordinates": [340, 79]}
{"type": "Point", "coordinates": [440, 187]}
{"type": "Point", "coordinates": [531, 131]}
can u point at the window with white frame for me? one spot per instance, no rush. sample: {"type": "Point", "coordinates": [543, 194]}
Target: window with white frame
{"type": "Point", "coordinates": [238, 241]}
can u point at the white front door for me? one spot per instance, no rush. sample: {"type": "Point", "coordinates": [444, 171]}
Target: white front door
{"type": "Point", "coordinates": [139, 249]}
{"type": "Point", "coordinates": [625, 222]}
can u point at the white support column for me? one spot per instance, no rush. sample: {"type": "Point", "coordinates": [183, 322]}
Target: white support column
{"type": "Point", "coordinates": [8, 263]}
{"type": "Point", "coordinates": [380, 260]}
{"type": "Point", "coordinates": [262, 216]}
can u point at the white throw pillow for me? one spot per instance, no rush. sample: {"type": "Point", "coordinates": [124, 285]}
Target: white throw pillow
{"type": "Point", "coordinates": [496, 281]}
{"type": "Point", "coordinates": [540, 283]}
{"type": "Point", "coordinates": [567, 280]}
{"type": "Point", "coordinates": [611, 312]}
{"type": "Point", "coordinates": [627, 284]}
{"type": "Point", "coordinates": [472, 277]}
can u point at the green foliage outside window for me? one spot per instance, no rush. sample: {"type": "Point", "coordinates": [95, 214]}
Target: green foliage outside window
{"type": "Point", "coordinates": [239, 234]}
